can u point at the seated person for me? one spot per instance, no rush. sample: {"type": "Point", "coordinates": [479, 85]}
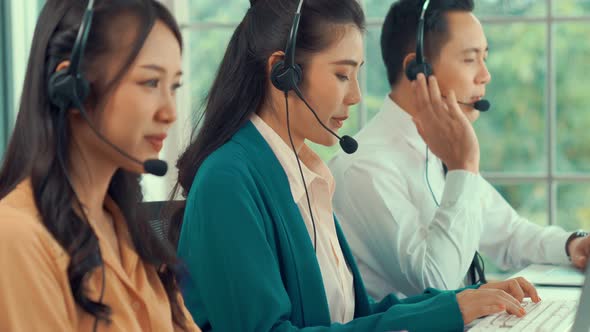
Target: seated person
{"type": "Point", "coordinates": [411, 225]}
{"type": "Point", "coordinates": [76, 255]}
{"type": "Point", "coordinates": [262, 246]}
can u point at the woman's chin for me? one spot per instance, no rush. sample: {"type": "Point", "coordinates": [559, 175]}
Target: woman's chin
{"type": "Point", "coordinates": [327, 141]}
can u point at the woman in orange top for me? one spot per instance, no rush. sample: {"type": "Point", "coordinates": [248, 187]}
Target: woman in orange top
{"type": "Point", "coordinates": [99, 92]}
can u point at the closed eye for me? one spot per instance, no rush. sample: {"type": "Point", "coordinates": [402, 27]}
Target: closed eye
{"type": "Point", "coordinates": [151, 83]}
{"type": "Point", "coordinates": [342, 77]}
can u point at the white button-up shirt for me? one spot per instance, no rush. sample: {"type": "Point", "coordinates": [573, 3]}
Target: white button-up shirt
{"type": "Point", "coordinates": [336, 274]}
{"type": "Point", "coordinates": [402, 240]}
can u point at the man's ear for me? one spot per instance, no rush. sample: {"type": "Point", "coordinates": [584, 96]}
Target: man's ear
{"type": "Point", "coordinates": [407, 59]}
{"type": "Point", "coordinates": [62, 65]}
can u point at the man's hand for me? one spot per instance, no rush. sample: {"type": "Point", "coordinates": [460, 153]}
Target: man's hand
{"type": "Point", "coordinates": [444, 127]}
{"type": "Point", "coordinates": [579, 250]}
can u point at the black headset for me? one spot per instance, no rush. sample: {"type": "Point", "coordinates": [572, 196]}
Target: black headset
{"type": "Point", "coordinates": [67, 87]}
{"type": "Point", "coordinates": [286, 74]}
{"type": "Point", "coordinates": [419, 64]}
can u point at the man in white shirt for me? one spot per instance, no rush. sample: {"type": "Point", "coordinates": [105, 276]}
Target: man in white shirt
{"type": "Point", "coordinates": [409, 224]}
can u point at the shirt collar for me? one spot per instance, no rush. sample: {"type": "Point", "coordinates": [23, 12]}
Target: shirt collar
{"type": "Point", "coordinates": [397, 118]}
{"type": "Point", "coordinates": [313, 167]}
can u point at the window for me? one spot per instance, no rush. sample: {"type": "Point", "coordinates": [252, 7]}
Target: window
{"type": "Point", "coordinates": [5, 94]}
{"type": "Point", "coordinates": [16, 32]}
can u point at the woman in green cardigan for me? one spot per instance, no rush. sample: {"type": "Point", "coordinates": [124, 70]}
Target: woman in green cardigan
{"type": "Point", "coordinates": [264, 251]}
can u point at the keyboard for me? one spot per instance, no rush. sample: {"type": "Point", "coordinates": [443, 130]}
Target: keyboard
{"type": "Point", "coordinates": [553, 316]}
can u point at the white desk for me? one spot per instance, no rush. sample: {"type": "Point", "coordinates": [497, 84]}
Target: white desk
{"type": "Point", "coordinates": [552, 292]}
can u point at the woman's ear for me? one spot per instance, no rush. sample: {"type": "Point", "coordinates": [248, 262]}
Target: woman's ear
{"type": "Point", "coordinates": [273, 59]}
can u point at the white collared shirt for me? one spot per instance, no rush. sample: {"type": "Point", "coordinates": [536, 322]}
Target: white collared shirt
{"type": "Point", "coordinates": [402, 241]}
{"type": "Point", "coordinates": [336, 274]}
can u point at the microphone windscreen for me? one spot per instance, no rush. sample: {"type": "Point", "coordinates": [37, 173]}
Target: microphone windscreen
{"type": "Point", "coordinates": [348, 144]}
{"type": "Point", "coordinates": [155, 167]}
{"type": "Point", "coordinates": [482, 105]}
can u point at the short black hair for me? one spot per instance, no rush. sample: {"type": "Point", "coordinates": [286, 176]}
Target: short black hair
{"type": "Point", "coordinates": [398, 35]}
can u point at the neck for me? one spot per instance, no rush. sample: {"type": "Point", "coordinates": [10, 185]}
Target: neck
{"type": "Point", "coordinates": [90, 177]}
{"type": "Point", "coordinates": [402, 95]}
{"type": "Point", "coordinates": [275, 117]}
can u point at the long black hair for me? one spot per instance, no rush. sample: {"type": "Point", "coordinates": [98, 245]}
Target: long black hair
{"type": "Point", "coordinates": [42, 136]}
{"type": "Point", "coordinates": [241, 84]}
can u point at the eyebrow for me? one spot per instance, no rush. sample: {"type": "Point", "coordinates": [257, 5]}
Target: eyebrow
{"type": "Point", "coordinates": [159, 69]}
{"type": "Point", "coordinates": [347, 62]}
{"type": "Point", "coordinates": [475, 50]}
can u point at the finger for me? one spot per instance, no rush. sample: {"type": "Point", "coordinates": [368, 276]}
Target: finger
{"type": "Point", "coordinates": [435, 96]}
{"type": "Point", "coordinates": [513, 306]}
{"type": "Point", "coordinates": [491, 309]}
{"type": "Point", "coordinates": [529, 289]}
{"type": "Point", "coordinates": [516, 290]}
{"type": "Point", "coordinates": [580, 261]}
{"type": "Point", "coordinates": [452, 104]}
{"type": "Point", "coordinates": [421, 96]}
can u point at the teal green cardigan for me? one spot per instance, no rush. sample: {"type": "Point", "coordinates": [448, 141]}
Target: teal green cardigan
{"type": "Point", "coordinates": [252, 262]}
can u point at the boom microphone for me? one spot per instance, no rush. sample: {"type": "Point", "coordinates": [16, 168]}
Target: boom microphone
{"type": "Point", "coordinates": [480, 105]}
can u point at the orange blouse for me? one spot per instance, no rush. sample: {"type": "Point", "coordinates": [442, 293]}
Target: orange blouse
{"type": "Point", "coordinates": [35, 293]}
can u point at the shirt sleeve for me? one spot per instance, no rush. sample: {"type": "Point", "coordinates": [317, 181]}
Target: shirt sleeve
{"type": "Point", "coordinates": [517, 242]}
{"type": "Point", "coordinates": [31, 296]}
{"type": "Point", "coordinates": [382, 221]}
{"type": "Point", "coordinates": [236, 279]}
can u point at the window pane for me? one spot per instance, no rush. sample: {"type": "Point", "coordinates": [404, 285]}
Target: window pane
{"type": "Point", "coordinates": [510, 8]}
{"type": "Point", "coordinates": [528, 199]}
{"type": "Point", "coordinates": [377, 9]}
{"type": "Point", "coordinates": [511, 134]}
{"type": "Point", "coordinates": [571, 7]}
{"type": "Point", "coordinates": [377, 84]}
{"type": "Point", "coordinates": [228, 11]}
{"type": "Point", "coordinates": [205, 49]}
{"type": "Point", "coordinates": [573, 121]}
{"type": "Point", "coordinates": [573, 210]}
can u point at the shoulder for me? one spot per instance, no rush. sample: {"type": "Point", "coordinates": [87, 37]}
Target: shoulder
{"type": "Point", "coordinates": [24, 239]}
{"type": "Point", "coordinates": [22, 233]}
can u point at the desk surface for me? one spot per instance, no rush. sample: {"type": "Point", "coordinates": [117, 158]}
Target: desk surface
{"type": "Point", "coordinates": [551, 292]}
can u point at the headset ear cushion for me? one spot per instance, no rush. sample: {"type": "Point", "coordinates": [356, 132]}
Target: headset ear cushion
{"type": "Point", "coordinates": [59, 84]}
{"type": "Point", "coordinates": [65, 88]}
{"type": "Point", "coordinates": [285, 78]}
{"type": "Point", "coordinates": [414, 68]}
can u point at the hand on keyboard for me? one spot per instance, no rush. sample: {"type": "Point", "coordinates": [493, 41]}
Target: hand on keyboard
{"type": "Point", "coordinates": [550, 316]}
{"type": "Point", "coordinates": [475, 303]}
{"type": "Point", "coordinates": [519, 288]}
